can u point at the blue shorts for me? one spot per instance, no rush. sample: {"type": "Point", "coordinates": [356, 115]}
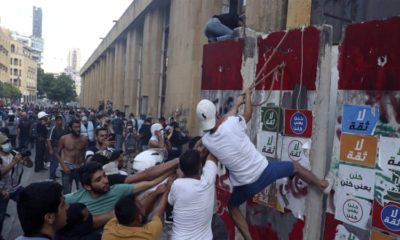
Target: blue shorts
{"type": "Point", "coordinates": [274, 170]}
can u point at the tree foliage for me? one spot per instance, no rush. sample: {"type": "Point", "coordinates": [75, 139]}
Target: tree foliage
{"type": "Point", "coordinates": [9, 91]}
{"type": "Point", "coordinates": [59, 89]}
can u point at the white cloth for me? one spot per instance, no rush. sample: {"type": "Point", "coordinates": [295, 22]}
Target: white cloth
{"type": "Point", "coordinates": [89, 131]}
{"type": "Point", "coordinates": [193, 202]}
{"type": "Point", "coordinates": [233, 148]}
{"type": "Point", "coordinates": [10, 181]}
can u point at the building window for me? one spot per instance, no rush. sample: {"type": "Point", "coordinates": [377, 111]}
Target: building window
{"type": "Point", "coordinates": [15, 72]}
{"type": "Point", "coordinates": [12, 48]}
{"type": "Point", "coordinates": [15, 61]}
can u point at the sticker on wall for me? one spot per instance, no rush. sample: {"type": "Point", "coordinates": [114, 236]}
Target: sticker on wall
{"type": "Point", "coordinates": [296, 149]}
{"type": "Point", "coordinates": [357, 181]}
{"type": "Point", "coordinates": [353, 211]}
{"type": "Point", "coordinates": [358, 149]}
{"type": "Point", "coordinates": [269, 144]}
{"type": "Point", "coordinates": [389, 153]}
{"type": "Point", "coordinates": [374, 235]}
{"type": "Point", "coordinates": [386, 217]}
{"type": "Point", "coordinates": [271, 119]}
{"type": "Point", "coordinates": [359, 119]}
{"type": "Point", "coordinates": [298, 123]}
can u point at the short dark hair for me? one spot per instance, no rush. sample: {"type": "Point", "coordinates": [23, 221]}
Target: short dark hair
{"type": "Point", "coordinates": [190, 162]}
{"type": "Point", "coordinates": [59, 117]}
{"type": "Point", "coordinates": [126, 210]}
{"type": "Point", "coordinates": [76, 121]}
{"type": "Point", "coordinates": [98, 130]}
{"type": "Point", "coordinates": [87, 171]}
{"type": "Point", "coordinates": [35, 201]}
{"type": "Point", "coordinates": [193, 142]}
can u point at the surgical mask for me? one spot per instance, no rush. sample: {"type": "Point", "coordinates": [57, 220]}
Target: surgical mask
{"type": "Point", "coordinates": [84, 119]}
{"type": "Point", "coordinates": [6, 147]}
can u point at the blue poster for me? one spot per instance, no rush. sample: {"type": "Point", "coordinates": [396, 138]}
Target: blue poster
{"type": "Point", "coordinates": [359, 119]}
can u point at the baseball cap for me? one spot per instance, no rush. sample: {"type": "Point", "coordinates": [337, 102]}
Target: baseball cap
{"type": "Point", "coordinates": [206, 111]}
{"type": "Point", "coordinates": [3, 138]}
{"type": "Point", "coordinates": [42, 114]}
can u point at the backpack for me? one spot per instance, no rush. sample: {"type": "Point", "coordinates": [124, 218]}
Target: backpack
{"type": "Point", "coordinates": [33, 130]}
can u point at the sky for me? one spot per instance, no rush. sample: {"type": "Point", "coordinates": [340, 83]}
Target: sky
{"type": "Point", "coordinates": [66, 24]}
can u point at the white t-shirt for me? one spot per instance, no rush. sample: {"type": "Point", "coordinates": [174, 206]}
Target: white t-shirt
{"type": "Point", "coordinates": [233, 148]}
{"type": "Point", "coordinates": [193, 202]}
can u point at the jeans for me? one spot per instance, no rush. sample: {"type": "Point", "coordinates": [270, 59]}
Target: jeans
{"type": "Point", "coordinates": [216, 31]}
{"type": "Point", "coordinates": [4, 203]}
{"type": "Point", "coordinates": [118, 142]}
{"type": "Point", "coordinates": [53, 164]}
{"type": "Point", "coordinates": [67, 179]}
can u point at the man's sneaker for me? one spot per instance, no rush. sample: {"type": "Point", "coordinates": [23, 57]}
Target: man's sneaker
{"type": "Point", "coordinates": [330, 177]}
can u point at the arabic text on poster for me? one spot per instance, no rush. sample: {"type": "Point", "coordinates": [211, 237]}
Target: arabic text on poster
{"type": "Point", "coordinates": [359, 119]}
{"type": "Point", "coordinates": [353, 211]}
{"type": "Point", "coordinates": [358, 149]}
{"type": "Point", "coordinates": [298, 123]}
{"type": "Point", "coordinates": [357, 181]}
{"type": "Point", "coordinates": [269, 144]}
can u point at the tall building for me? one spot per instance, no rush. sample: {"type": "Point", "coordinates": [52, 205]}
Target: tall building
{"type": "Point", "coordinates": [4, 55]}
{"type": "Point", "coordinates": [36, 38]}
{"type": "Point", "coordinates": [74, 59]}
{"type": "Point", "coordinates": [37, 22]}
{"type": "Point", "coordinates": [73, 67]}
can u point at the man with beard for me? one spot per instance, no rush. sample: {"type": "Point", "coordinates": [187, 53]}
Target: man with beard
{"type": "Point", "coordinates": [102, 143]}
{"type": "Point", "coordinates": [100, 198]}
{"type": "Point", "coordinates": [70, 155]}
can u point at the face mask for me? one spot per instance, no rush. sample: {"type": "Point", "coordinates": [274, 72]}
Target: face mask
{"type": "Point", "coordinates": [84, 119]}
{"type": "Point", "coordinates": [6, 147]}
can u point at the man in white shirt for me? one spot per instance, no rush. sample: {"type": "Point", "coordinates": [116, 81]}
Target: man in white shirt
{"type": "Point", "coordinates": [250, 172]}
{"type": "Point", "coordinates": [193, 197]}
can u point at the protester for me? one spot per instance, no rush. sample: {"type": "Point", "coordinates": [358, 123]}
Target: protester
{"type": "Point", "coordinates": [145, 134]}
{"type": "Point", "coordinates": [79, 224]}
{"type": "Point", "coordinates": [220, 27]}
{"type": "Point", "coordinates": [99, 197]}
{"type": "Point", "coordinates": [131, 212]}
{"type": "Point", "coordinates": [250, 172]}
{"type": "Point", "coordinates": [70, 155]}
{"type": "Point", "coordinates": [10, 172]}
{"type": "Point", "coordinates": [42, 211]}
{"type": "Point", "coordinates": [55, 134]}
{"type": "Point", "coordinates": [192, 197]}
{"type": "Point", "coordinates": [41, 149]}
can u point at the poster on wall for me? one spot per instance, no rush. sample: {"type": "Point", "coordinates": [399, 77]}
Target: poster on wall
{"type": "Point", "coordinates": [298, 123]}
{"type": "Point", "coordinates": [374, 235]}
{"type": "Point", "coordinates": [358, 149]}
{"type": "Point", "coordinates": [357, 181]}
{"type": "Point", "coordinates": [269, 144]}
{"type": "Point", "coordinates": [271, 119]}
{"type": "Point", "coordinates": [389, 153]}
{"type": "Point", "coordinates": [296, 149]}
{"type": "Point", "coordinates": [386, 217]}
{"type": "Point", "coordinates": [359, 119]}
{"type": "Point", "coordinates": [354, 211]}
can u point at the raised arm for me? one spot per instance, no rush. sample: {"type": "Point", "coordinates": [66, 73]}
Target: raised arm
{"type": "Point", "coordinates": [153, 172]}
{"type": "Point", "coordinates": [144, 185]}
{"type": "Point", "coordinates": [102, 219]}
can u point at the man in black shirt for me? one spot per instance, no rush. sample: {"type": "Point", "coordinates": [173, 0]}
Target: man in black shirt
{"type": "Point", "coordinates": [220, 27]}
{"type": "Point", "coordinates": [56, 132]}
{"type": "Point", "coordinates": [41, 151]}
{"type": "Point", "coordinates": [145, 134]}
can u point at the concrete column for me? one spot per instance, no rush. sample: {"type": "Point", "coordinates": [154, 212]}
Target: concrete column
{"type": "Point", "coordinates": [152, 37]}
{"type": "Point", "coordinates": [110, 74]}
{"type": "Point", "coordinates": [266, 15]}
{"type": "Point", "coordinates": [298, 13]}
{"type": "Point", "coordinates": [185, 53]}
{"type": "Point", "coordinates": [133, 44]}
{"type": "Point", "coordinates": [119, 74]}
{"type": "Point", "coordinates": [82, 96]}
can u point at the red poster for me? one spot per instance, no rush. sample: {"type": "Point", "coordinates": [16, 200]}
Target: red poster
{"type": "Point", "coordinates": [298, 123]}
{"type": "Point", "coordinates": [223, 198]}
{"type": "Point", "coordinates": [387, 217]}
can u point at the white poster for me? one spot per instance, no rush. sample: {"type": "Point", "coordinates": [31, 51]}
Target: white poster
{"type": "Point", "coordinates": [357, 181]}
{"type": "Point", "coordinates": [389, 153]}
{"type": "Point", "coordinates": [353, 211]}
{"type": "Point", "coordinates": [269, 144]}
{"type": "Point", "coordinates": [296, 149]}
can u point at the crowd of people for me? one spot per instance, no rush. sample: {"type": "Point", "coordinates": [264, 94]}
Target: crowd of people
{"type": "Point", "coordinates": [98, 195]}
